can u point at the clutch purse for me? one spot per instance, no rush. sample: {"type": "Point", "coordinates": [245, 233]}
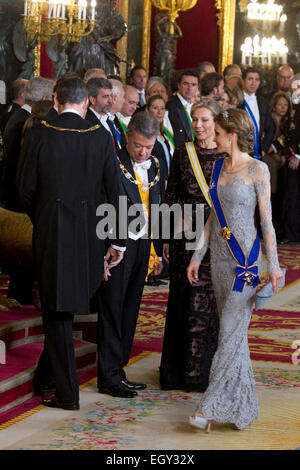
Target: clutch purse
{"type": "Point", "coordinates": [266, 293]}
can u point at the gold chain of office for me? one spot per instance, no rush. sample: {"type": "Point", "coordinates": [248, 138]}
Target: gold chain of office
{"type": "Point", "coordinates": [134, 181]}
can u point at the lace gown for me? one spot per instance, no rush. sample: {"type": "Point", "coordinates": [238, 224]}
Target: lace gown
{"type": "Point", "coordinates": [230, 396]}
{"type": "Point", "coordinates": [191, 329]}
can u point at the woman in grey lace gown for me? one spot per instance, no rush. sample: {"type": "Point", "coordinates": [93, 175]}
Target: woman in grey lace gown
{"type": "Point", "coordinates": [243, 182]}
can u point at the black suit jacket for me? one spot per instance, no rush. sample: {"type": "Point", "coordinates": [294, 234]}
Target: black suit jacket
{"type": "Point", "coordinates": [60, 178]}
{"type": "Point", "coordinates": [156, 194]}
{"type": "Point", "coordinates": [180, 123]}
{"type": "Point", "coordinates": [266, 125]}
{"type": "Point", "coordinates": [92, 118]}
{"type": "Point", "coordinates": [7, 114]}
{"type": "Point", "coordinates": [12, 146]}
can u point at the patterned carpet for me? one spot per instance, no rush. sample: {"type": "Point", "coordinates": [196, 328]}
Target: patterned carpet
{"type": "Point", "coordinates": [158, 419]}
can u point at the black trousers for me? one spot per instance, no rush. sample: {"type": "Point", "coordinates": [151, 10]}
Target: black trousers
{"type": "Point", "coordinates": [119, 303]}
{"type": "Point", "coordinates": [57, 364]}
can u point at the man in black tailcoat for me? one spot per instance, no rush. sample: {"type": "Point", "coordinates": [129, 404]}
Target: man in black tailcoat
{"type": "Point", "coordinates": [141, 175]}
{"type": "Point", "coordinates": [63, 168]}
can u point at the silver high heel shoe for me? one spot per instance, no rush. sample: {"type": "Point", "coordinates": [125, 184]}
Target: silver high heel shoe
{"type": "Point", "coordinates": [200, 422]}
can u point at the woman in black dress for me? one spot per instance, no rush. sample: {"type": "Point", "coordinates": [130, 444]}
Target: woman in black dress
{"type": "Point", "coordinates": [191, 329]}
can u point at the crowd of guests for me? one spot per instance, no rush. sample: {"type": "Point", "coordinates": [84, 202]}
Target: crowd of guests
{"type": "Point", "coordinates": [73, 144]}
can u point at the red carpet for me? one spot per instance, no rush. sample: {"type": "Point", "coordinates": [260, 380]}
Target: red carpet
{"type": "Point", "coordinates": [267, 334]}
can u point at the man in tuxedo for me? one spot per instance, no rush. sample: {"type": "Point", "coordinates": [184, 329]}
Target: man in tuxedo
{"type": "Point", "coordinates": [138, 79]}
{"type": "Point", "coordinates": [17, 101]}
{"type": "Point", "coordinates": [284, 78]}
{"type": "Point", "coordinates": [118, 97]}
{"type": "Point", "coordinates": [212, 86]}
{"type": "Point", "coordinates": [130, 103]}
{"type": "Point", "coordinates": [258, 109]}
{"type": "Point", "coordinates": [232, 75]}
{"type": "Point", "coordinates": [205, 67]}
{"type": "Point", "coordinates": [101, 99]}
{"type": "Point", "coordinates": [36, 89]}
{"type": "Point", "coordinates": [142, 181]}
{"type": "Point", "coordinates": [180, 105]}
{"type": "Point", "coordinates": [94, 73]}
{"type": "Point", "coordinates": [64, 167]}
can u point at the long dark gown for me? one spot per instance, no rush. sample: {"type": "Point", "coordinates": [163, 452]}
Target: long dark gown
{"type": "Point", "coordinates": [191, 329]}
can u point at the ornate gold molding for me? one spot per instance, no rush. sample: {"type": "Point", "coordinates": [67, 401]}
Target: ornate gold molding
{"type": "Point", "coordinates": [146, 35]}
{"type": "Point", "coordinates": [122, 44]}
{"type": "Point", "coordinates": [226, 22]}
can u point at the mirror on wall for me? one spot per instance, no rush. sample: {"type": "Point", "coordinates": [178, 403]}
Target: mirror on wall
{"type": "Point", "coordinates": [267, 34]}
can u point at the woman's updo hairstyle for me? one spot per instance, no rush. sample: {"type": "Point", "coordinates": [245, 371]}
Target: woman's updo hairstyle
{"type": "Point", "coordinates": [207, 103]}
{"type": "Point", "coordinates": [237, 121]}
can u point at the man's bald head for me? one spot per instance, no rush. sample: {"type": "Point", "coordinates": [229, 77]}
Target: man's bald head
{"type": "Point", "coordinates": [131, 100]}
{"type": "Point", "coordinates": [285, 75]}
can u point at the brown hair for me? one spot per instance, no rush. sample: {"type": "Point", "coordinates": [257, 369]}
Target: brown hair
{"type": "Point", "coordinates": [237, 121]}
{"type": "Point", "coordinates": [286, 120]}
{"type": "Point", "coordinates": [150, 102]}
{"type": "Point", "coordinates": [39, 111]}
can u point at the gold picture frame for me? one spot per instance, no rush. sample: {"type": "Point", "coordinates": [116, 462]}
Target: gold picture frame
{"type": "Point", "coordinates": [226, 23]}
{"type": "Point", "coordinates": [123, 43]}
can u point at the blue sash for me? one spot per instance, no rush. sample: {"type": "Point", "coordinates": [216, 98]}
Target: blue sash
{"type": "Point", "coordinates": [246, 270]}
{"type": "Point", "coordinates": [116, 131]}
{"type": "Point", "coordinates": [255, 131]}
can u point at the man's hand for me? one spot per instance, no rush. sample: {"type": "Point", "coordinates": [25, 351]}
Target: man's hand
{"type": "Point", "coordinates": [166, 252]}
{"type": "Point", "coordinates": [113, 257]}
{"type": "Point", "coordinates": [158, 269]}
{"type": "Point", "coordinates": [293, 162]}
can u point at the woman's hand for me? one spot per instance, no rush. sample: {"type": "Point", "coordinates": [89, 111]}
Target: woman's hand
{"type": "Point", "coordinates": [166, 252]}
{"type": "Point", "coordinates": [275, 277]}
{"type": "Point", "coordinates": [192, 272]}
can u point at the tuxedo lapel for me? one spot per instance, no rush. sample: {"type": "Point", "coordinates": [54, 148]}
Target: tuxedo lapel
{"type": "Point", "coordinates": [183, 117]}
{"type": "Point", "coordinates": [155, 189]}
{"type": "Point", "coordinates": [130, 188]}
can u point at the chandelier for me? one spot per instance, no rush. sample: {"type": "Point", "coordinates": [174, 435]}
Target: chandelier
{"type": "Point", "coordinates": [264, 51]}
{"type": "Point", "coordinates": [70, 19]}
{"type": "Point", "coordinates": [269, 11]}
{"type": "Point", "coordinates": [174, 7]}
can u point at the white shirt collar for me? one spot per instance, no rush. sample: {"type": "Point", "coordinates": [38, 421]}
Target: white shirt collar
{"type": "Point", "coordinates": [71, 110]}
{"type": "Point", "coordinates": [27, 107]}
{"type": "Point", "coordinates": [250, 97]}
{"type": "Point", "coordinates": [125, 119]}
{"type": "Point", "coordinates": [99, 116]}
{"type": "Point", "coordinates": [185, 103]}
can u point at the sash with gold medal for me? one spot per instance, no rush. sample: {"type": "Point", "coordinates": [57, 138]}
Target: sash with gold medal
{"type": "Point", "coordinates": [246, 271]}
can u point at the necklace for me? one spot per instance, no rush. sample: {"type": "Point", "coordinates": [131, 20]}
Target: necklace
{"type": "Point", "coordinates": [144, 187]}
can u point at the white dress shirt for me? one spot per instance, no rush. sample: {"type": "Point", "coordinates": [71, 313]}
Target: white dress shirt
{"type": "Point", "coordinates": [102, 118]}
{"type": "Point", "coordinates": [142, 170]}
{"type": "Point", "coordinates": [142, 97]}
{"type": "Point", "coordinates": [124, 119]}
{"type": "Point", "coordinates": [188, 106]}
{"type": "Point", "coordinates": [252, 102]}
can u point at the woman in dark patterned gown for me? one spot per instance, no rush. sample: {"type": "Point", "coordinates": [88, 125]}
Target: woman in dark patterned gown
{"type": "Point", "coordinates": [191, 329]}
